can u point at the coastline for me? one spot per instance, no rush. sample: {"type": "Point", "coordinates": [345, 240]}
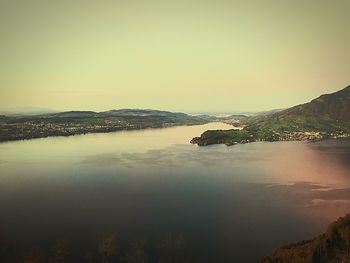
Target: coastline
{"type": "Point", "coordinates": [54, 133]}
{"type": "Point", "coordinates": [235, 136]}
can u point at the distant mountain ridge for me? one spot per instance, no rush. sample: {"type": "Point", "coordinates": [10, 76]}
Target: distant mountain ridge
{"type": "Point", "coordinates": [115, 113]}
{"type": "Point", "coordinates": [17, 111]}
{"type": "Point", "coordinates": [143, 112]}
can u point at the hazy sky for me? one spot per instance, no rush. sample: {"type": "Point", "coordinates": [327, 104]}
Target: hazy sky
{"type": "Point", "coordinates": [174, 55]}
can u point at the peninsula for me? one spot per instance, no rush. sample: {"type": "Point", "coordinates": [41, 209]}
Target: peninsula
{"type": "Point", "coordinates": [327, 116]}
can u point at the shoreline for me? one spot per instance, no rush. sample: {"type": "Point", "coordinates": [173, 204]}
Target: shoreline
{"type": "Point", "coordinates": [98, 132]}
{"type": "Point", "coordinates": [234, 137]}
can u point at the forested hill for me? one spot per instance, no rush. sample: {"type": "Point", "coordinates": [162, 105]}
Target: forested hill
{"type": "Point", "coordinates": [329, 112]}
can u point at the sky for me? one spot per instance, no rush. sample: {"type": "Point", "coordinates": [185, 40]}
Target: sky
{"type": "Point", "coordinates": [190, 56]}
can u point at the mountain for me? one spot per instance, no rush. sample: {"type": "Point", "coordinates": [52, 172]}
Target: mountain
{"type": "Point", "coordinates": [332, 246]}
{"type": "Point", "coordinates": [114, 113]}
{"type": "Point", "coordinates": [329, 112]}
{"type": "Point", "coordinates": [143, 113]}
{"type": "Point", "coordinates": [269, 112]}
{"type": "Point", "coordinates": [334, 106]}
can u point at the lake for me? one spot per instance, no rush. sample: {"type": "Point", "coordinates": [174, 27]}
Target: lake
{"type": "Point", "coordinates": [228, 204]}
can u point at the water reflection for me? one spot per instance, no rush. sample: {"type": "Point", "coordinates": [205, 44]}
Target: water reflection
{"type": "Point", "coordinates": [229, 203]}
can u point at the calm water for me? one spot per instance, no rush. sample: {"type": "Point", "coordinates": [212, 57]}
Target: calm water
{"type": "Point", "coordinates": [231, 204]}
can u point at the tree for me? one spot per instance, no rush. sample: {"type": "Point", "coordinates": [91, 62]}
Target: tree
{"type": "Point", "coordinates": [59, 251]}
{"type": "Point", "coordinates": [137, 253]}
{"type": "Point", "coordinates": [107, 247]}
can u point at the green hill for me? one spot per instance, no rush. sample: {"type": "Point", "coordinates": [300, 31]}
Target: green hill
{"type": "Point", "coordinates": [327, 113]}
